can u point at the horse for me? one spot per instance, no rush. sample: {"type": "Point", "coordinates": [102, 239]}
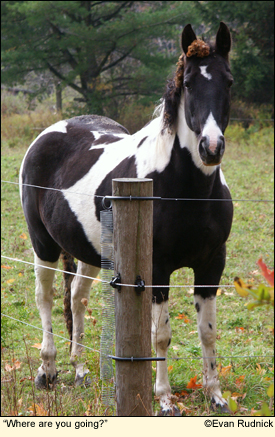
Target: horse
{"type": "Point", "coordinates": [181, 149]}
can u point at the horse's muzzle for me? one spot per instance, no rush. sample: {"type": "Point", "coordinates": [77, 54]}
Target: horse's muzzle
{"type": "Point", "coordinates": [211, 150]}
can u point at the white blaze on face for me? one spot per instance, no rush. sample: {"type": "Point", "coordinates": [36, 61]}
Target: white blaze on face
{"type": "Point", "coordinates": [204, 73]}
{"type": "Point", "coordinates": [212, 130]}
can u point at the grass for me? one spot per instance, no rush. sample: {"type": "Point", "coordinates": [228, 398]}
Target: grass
{"type": "Point", "coordinates": [248, 168]}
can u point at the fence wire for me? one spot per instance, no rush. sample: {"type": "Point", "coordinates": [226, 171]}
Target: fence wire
{"type": "Point", "coordinates": [140, 198]}
{"type": "Point", "coordinates": [168, 358]}
{"type": "Point", "coordinates": [131, 285]}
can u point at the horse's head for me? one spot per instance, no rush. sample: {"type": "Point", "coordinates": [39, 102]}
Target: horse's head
{"type": "Point", "coordinates": [206, 79]}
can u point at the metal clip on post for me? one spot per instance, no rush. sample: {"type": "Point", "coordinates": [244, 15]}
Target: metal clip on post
{"type": "Point", "coordinates": [140, 284]}
{"type": "Point", "coordinates": [115, 281]}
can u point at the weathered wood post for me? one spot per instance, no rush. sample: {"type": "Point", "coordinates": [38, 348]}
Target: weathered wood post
{"type": "Point", "coordinates": [133, 248]}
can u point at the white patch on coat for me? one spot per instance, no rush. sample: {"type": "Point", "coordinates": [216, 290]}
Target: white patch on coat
{"type": "Point", "coordinates": [153, 155]}
{"type": "Point", "coordinates": [204, 72]}
{"type": "Point", "coordinates": [222, 178]}
{"type": "Point", "coordinates": [112, 155]}
{"type": "Point", "coordinates": [155, 152]}
{"type": "Point", "coordinates": [212, 130]}
{"type": "Point", "coordinates": [98, 134]}
{"type": "Point", "coordinates": [189, 140]}
{"type": "Point", "coordinates": [60, 126]}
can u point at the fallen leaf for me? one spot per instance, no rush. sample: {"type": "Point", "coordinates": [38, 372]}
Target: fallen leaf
{"type": "Point", "coordinates": [240, 380]}
{"type": "Point", "coordinates": [255, 412]}
{"type": "Point", "coordinates": [10, 281]}
{"type": "Point", "coordinates": [241, 287]}
{"type": "Point", "coordinates": [28, 378]}
{"type": "Point", "coordinates": [183, 317]}
{"type": "Point", "coordinates": [183, 408]}
{"type": "Point", "coordinates": [236, 395]}
{"type": "Point", "coordinates": [233, 406]}
{"type": "Point", "coordinates": [224, 370]}
{"type": "Point", "coordinates": [16, 365]}
{"type": "Point", "coordinates": [6, 267]}
{"type": "Point", "coordinates": [219, 292]}
{"type": "Point", "coordinates": [192, 383]}
{"type": "Point", "coordinates": [37, 410]}
{"type": "Point", "coordinates": [259, 369]}
{"type": "Point", "coordinates": [23, 236]}
{"type": "Point", "coordinates": [268, 274]}
{"type": "Point", "coordinates": [182, 393]}
{"type": "Point", "coordinates": [170, 368]}
{"type": "Point", "coordinates": [8, 368]}
{"type": "Point", "coordinates": [37, 345]}
{"type": "Point", "coordinates": [239, 329]}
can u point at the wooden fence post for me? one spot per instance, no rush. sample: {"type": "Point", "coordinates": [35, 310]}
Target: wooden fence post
{"type": "Point", "coordinates": [133, 248]}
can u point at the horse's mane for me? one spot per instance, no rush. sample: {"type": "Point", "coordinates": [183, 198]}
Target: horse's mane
{"type": "Point", "coordinates": [174, 88]}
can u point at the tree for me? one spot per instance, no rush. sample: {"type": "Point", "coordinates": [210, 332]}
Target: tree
{"type": "Point", "coordinates": [105, 51]}
{"type": "Point", "coordinates": [252, 26]}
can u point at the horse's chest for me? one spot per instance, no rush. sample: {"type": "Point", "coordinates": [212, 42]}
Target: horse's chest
{"type": "Point", "coordinates": [190, 236]}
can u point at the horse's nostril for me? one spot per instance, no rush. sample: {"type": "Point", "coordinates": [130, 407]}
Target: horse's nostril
{"type": "Point", "coordinates": [220, 145]}
{"type": "Point", "coordinates": [204, 146]}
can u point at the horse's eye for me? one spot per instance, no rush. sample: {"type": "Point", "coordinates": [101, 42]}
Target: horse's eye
{"type": "Point", "coordinates": [187, 85]}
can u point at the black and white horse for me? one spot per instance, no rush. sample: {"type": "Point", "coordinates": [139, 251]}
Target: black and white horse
{"type": "Point", "coordinates": [181, 150]}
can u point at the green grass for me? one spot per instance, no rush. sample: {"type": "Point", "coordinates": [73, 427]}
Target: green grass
{"type": "Point", "coordinates": [248, 168]}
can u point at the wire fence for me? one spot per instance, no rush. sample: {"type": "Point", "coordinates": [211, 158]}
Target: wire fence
{"type": "Point", "coordinates": [141, 198]}
{"type": "Point", "coordinates": [130, 285]}
{"type": "Point", "coordinates": [169, 358]}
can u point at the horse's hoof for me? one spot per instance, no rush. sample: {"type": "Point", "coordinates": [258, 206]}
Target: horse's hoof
{"type": "Point", "coordinates": [171, 412]}
{"type": "Point", "coordinates": [222, 408]}
{"type": "Point", "coordinates": [43, 381]}
{"type": "Point", "coordinates": [83, 380]}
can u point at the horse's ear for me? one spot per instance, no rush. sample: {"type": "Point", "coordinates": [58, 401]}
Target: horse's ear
{"type": "Point", "coordinates": [187, 37]}
{"type": "Point", "coordinates": [223, 40]}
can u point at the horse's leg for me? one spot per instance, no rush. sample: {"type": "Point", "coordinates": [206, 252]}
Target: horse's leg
{"type": "Point", "coordinates": [205, 304]}
{"type": "Point", "coordinates": [80, 290]}
{"type": "Point", "coordinates": [161, 339]}
{"type": "Point", "coordinates": [44, 299]}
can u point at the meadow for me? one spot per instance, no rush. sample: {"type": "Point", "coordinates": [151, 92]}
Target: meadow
{"type": "Point", "coordinates": [244, 338]}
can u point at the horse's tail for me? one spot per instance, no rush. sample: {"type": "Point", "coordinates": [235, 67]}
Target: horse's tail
{"type": "Point", "coordinates": [68, 266]}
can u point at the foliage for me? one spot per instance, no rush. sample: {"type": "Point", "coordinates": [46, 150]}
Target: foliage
{"type": "Point", "coordinates": [105, 51]}
{"type": "Point", "coordinates": [263, 295]}
{"type": "Point", "coordinates": [114, 54]}
{"type": "Point", "coordinates": [252, 26]}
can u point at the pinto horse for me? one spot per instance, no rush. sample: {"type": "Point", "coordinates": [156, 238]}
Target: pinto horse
{"type": "Point", "coordinates": [181, 150]}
